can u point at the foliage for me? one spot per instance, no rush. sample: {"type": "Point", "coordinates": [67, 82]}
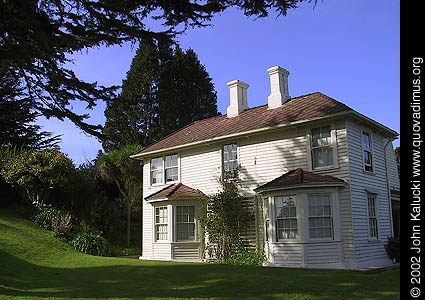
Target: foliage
{"type": "Point", "coordinates": [125, 172]}
{"type": "Point", "coordinates": [17, 117]}
{"type": "Point", "coordinates": [393, 248]}
{"type": "Point", "coordinates": [38, 173]}
{"type": "Point", "coordinates": [397, 158]}
{"type": "Point", "coordinates": [56, 220]}
{"type": "Point", "coordinates": [225, 219]}
{"type": "Point", "coordinates": [242, 256]}
{"type": "Point", "coordinates": [91, 243]}
{"type": "Point", "coordinates": [61, 226]}
{"type": "Point", "coordinates": [37, 38]}
{"type": "Point", "coordinates": [166, 88]}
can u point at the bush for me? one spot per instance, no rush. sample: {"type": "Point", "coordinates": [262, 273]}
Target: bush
{"type": "Point", "coordinates": [393, 249]}
{"type": "Point", "coordinates": [61, 225]}
{"type": "Point", "coordinates": [243, 256]}
{"type": "Point", "coordinates": [91, 243]}
{"type": "Point", "coordinates": [45, 216]}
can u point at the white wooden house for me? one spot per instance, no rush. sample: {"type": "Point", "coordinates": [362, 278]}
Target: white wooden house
{"type": "Point", "coordinates": [319, 175]}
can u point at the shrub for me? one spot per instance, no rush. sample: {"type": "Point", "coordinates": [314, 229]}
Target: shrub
{"type": "Point", "coordinates": [243, 256]}
{"type": "Point", "coordinates": [61, 225]}
{"type": "Point", "coordinates": [393, 249]}
{"type": "Point", "coordinates": [91, 243]}
{"type": "Point", "coordinates": [45, 216]}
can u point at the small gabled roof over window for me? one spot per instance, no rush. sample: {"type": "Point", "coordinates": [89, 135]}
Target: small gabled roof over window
{"type": "Point", "coordinates": [300, 178]}
{"type": "Point", "coordinates": [176, 191]}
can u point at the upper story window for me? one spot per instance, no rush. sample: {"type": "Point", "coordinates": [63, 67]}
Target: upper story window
{"type": "Point", "coordinates": [367, 151]}
{"type": "Point", "coordinates": [373, 220]}
{"type": "Point", "coordinates": [171, 168]}
{"type": "Point", "coordinates": [157, 167]}
{"type": "Point", "coordinates": [286, 218]}
{"type": "Point", "coordinates": [164, 169]}
{"type": "Point", "coordinates": [321, 147]}
{"type": "Point", "coordinates": [320, 216]}
{"type": "Point", "coordinates": [230, 159]}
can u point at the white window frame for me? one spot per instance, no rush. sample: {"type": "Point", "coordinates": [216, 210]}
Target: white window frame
{"type": "Point", "coordinates": [171, 167]}
{"type": "Point", "coordinates": [372, 165]}
{"type": "Point", "coordinates": [232, 160]}
{"type": "Point", "coordinates": [161, 224]}
{"type": "Point", "coordinates": [164, 168]}
{"type": "Point", "coordinates": [289, 218]}
{"type": "Point", "coordinates": [372, 228]}
{"type": "Point", "coordinates": [330, 216]}
{"type": "Point", "coordinates": [194, 222]}
{"type": "Point", "coordinates": [333, 145]}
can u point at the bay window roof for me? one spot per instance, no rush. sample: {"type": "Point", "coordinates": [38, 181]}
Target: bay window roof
{"type": "Point", "coordinates": [176, 191]}
{"type": "Point", "coordinates": [299, 177]}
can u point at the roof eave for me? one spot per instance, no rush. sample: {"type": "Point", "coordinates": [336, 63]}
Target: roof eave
{"type": "Point", "coordinates": [298, 186]}
{"type": "Point", "coordinates": [141, 155]}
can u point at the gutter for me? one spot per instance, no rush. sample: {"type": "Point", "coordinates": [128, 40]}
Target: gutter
{"type": "Point", "coordinates": [390, 208]}
{"type": "Point", "coordinates": [260, 130]}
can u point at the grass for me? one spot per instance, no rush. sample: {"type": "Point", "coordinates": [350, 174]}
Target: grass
{"type": "Point", "coordinates": [34, 265]}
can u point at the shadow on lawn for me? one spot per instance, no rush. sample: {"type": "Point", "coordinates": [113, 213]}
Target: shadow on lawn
{"type": "Point", "coordinates": [173, 280]}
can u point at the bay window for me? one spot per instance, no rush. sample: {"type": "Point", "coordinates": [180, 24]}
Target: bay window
{"type": "Point", "coordinates": [286, 218]}
{"type": "Point", "coordinates": [185, 223]}
{"type": "Point", "coordinates": [320, 223]}
{"type": "Point", "coordinates": [161, 223]}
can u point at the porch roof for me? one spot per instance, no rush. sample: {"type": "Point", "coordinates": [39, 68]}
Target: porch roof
{"type": "Point", "coordinates": [176, 191]}
{"type": "Point", "coordinates": [299, 177]}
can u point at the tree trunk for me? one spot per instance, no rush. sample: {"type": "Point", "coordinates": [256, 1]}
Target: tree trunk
{"type": "Point", "coordinates": [128, 215]}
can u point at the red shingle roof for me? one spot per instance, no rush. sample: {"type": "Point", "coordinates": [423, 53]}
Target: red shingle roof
{"type": "Point", "coordinates": [299, 177]}
{"type": "Point", "coordinates": [176, 191]}
{"type": "Point", "coordinates": [305, 107]}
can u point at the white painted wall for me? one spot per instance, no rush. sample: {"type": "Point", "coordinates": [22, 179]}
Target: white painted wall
{"type": "Point", "coordinates": [368, 252]}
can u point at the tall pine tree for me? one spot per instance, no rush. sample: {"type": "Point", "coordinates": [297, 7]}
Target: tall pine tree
{"type": "Point", "coordinates": [166, 88]}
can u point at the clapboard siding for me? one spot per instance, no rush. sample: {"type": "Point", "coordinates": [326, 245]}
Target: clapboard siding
{"type": "Point", "coordinates": [366, 250]}
{"type": "Point", "coordinates": [287, 254]}
{"type": "Point", "coordinates": [186, 251]}
{"type": "Point", "coordinates": [322, 253]}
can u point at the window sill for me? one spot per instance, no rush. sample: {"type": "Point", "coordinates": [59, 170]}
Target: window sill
{"type": "Point", "coordinates": [374, 241]}
{"type": "Point", "coordinates": [369, 172]}
{"type": "Point", "coordinates": [328, 168]}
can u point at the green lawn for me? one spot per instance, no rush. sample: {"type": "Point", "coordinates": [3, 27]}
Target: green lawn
{"type": "Point", "coordinates": [33, 265]}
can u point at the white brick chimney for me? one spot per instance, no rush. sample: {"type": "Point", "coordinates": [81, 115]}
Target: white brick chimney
{"type": "Point", "coordinates": [279, 87]}
{"type": "Point", "coordinates": [238, 98]}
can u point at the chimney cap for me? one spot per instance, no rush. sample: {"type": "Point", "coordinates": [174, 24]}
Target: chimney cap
{"type": "Point", "coordinates": [237, 82]}
{"type": "Point", "coordinates": [277, 69]}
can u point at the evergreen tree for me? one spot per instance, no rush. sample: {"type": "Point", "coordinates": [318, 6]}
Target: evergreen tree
{"type": "Point", "coordinates": [36, 37]}
{"type": "Point", "coordinates": [17, 119]}
{"type": "Point", "coordinates": [165, 89]}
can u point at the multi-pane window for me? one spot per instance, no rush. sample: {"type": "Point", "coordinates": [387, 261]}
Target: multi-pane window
{"type": "Point", "coordinates": [230, 159]}
{"type": "Point", "coordinates": [367, 151]}
{"type": "Point", "coordinates": [161, 223]}
{"type": "Point", "coordinates": [164, 172]}
{"type": "Point", "coordinates": [373, 221]}
{"type": "Point", "coordinates": [157, 170]}
{"type": "Point", "coordinates": [185, 223]}
{"type": "Point", "coordinates": [286, 218]}
{"type": "Point", "coordinates": [171, 168]}
{"type": "Point", "coordinates": [321, 147]}
{"type": "Point", "coordinates": [320, 216]}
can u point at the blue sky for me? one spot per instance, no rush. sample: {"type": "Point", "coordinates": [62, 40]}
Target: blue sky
{"type": "Point", "coordinates": [348, 50]}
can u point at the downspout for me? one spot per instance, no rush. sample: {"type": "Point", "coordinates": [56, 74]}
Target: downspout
{"type": "Point", "coordinates": [141, 213]}
{"type": "Point", "coordinates": [390, 139]}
